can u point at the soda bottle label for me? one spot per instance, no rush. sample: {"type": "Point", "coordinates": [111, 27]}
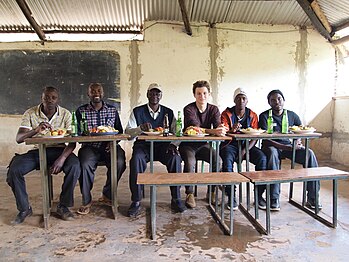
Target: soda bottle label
{"type": "Point", "coordinates": [270, 123]}
{"type": "Point", "coordinates": [284, 123]}
{"type": "Point", "coordinates": [166, 131]}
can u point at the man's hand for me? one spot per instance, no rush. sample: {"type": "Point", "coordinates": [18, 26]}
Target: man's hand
{"type": "Point", "coordinates": [221, 130]}
{"type": "Point", "coordinates": [57, 166]}
{"type": "Point", "coordinates": [236, 127]}
{"type": "Point", "coordinates": [42, 127]}
{"type": "Point", "coordinates": [172, 150]}
{"type": "Point", "coordinates": [145, 126]}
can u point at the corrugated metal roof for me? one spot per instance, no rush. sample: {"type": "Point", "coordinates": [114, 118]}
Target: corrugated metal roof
{"type": "Point", "coordinates": [336, 11]}
{"type": "Point", "coordinates": [129, 15]}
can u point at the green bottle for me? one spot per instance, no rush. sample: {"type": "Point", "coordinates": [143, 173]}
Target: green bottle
{"type": "Point", "coordinates": [179, 131]}
{"type": "Point", "coordinates": [284, 123]}
{"type": "Point", "coordinates": [74, 125]}
{"type": "Point", "coordinates": [270, 122]}
{"type": "Point", "coordinates": [83, 125]}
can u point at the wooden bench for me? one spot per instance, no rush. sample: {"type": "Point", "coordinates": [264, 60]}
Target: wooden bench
{"type": "Point", "coordinates": [267, 177]}
{"type": "Point", "coordinates": [178, 179]}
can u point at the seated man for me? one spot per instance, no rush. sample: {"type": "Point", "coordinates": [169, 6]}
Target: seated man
{"type": "Point", "coordinates": [143, 118]}
{"type": "Point", "coordinates": [282, 148]}
{"type": "Point", "coordinates": [235, 118]}
{"type": "Point", "coordinates": [204, 115]}
{"type": "Point", "coordinates": [98, 113]}
{"type": "Point", "coordinates": [39, 119]}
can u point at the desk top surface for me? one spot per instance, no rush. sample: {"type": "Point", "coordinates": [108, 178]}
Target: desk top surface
{"type": "Point", "coordinates": [192, 178]}
{"type": "Point", "coordinates": [294, 174]}
{"type": "Point", "coordinates": [80, 139]}
{"type": "Point", "coordinates": [274, 136]}
{"type": "Point", "coordinates": [182, 138]}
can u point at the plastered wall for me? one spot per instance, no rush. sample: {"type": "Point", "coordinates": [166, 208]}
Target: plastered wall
{"type": "Point", "coordinates": [258, 58]}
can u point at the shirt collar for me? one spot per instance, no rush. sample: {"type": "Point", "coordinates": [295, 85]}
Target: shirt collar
{"type": "Point", "coordinates": [151, 110]}
{"type": "Point", "coordinates": [90, 107]}
{"type": "Point", "coordinates": [40, 113]}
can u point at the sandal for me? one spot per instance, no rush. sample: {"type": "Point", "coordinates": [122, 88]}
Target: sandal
{"type": "Point", "coordinates": [84, 210]}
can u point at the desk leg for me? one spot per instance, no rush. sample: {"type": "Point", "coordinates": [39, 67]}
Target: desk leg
{"type": "Point", "coordinates": [334, 213]}
{"type": "Point", "coordinates": [114, 177]}
{"type": "Point", "coordinates": [44, 184]}
{"type": "Point", "coordinates": [153, 211]}
{"type": "Point", "coordinates": [247, 154]}
{"type": "Point", "coordinates": [306, 166]}
{"type": "Point", "coordinates": [239, 170]}
{"type": "Point", "coordinates": [267, 213]}
{"type": "Point", "coordinates": [294, 141]}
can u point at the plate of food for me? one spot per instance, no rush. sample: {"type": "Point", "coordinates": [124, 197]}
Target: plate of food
{"type": "Point", "coordinates": [103, 131]}
{"type": "Point", "coordinates": [302, 129]}
{"type": "Point", "coordinates": [154, 131]}
{"type": "Point", "coordinates": [195, 131]}
{"type": "Point", "coordinates": [55, 133]}
{"type": "Point", "coordinates": [252, 131]}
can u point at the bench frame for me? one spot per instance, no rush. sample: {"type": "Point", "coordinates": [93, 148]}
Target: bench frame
{"type": "Point", "coordinates": [268, 177]}
{"type": "Point", "coordinates": [179, 179]}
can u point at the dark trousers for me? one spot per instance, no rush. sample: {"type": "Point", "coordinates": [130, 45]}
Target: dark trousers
{"type": "Point", "coordinates": [274, 157]}
{"type": "Point", "coordinates": [230, 154]}
{"type": "Point", "coordinates": [89, 157]}
{"type": "Point", "coordinates": [191, 153]}
{"type": "Point", "coordinates": [22, 164]}
{"type": "Point", "coordinates": [138, 164]}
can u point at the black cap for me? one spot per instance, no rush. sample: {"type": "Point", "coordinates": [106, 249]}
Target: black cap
{"type": "Point", "coordinates": [275, 91]}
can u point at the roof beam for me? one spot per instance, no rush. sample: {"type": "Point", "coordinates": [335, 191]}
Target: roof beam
{"type": "Point", "coordinates": [322, 17]}
{"type": "Point", "coordinates": [28, 14]}
{"type": "Point", "coordinates": [185, 17]}
{"type": "Point", "coordinates": [341, 26]}
{"type": "Point", "coordinates": [314, 19]}
{"type": "Point", "coordinates": [341, 40]}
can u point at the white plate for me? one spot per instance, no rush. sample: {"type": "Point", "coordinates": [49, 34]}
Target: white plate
{"type": "Point", "coordinates": [303, 131]}
{"type": "Point", "coordinates": [197, 135]}
{"type": "Point", "coordinates": [152, 133]}
{"type": "Point", "coordinates": [59, 136]}
{"type": "Point", "coordinates": [252, 132]}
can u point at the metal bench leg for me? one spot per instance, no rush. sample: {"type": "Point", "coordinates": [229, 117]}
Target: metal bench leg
{"type": "Point", "coordinates": [153, 211]}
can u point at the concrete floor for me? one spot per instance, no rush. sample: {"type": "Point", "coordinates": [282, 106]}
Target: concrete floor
{"type": "Point", "coordinates": [191, 236]}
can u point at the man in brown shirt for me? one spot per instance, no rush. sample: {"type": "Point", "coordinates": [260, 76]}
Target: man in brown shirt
{"type": "Point", "coordinates": [204, 115]}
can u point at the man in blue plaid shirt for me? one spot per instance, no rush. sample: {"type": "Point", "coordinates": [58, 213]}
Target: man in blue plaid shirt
{"type": "Point", "coordinates": [98, 113]}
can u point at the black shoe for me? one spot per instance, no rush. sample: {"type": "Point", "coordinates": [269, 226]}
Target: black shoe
{"type": "Point", "coordinates": [262, 204]}
{"type": "Point", "coordinates": [177, 206]}
{"type": "Point", "coordinates": [275, 205]}
{"type": "Point", "coordinates": [22, 216]}
{"type": "Point", "coordinates": [135, 209]}
{"type": "Point", "coordinates": [64, 213]}
{"type": "Point", "coordinates": [311, 204]}
{"type": "Point", "coordinates": [235, 204]}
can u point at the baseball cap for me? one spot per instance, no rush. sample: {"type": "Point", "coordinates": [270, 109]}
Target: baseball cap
{"type": "Point", "coordinates": [239, 91]}
{"type": "Point", "coordinates": [154, 86]}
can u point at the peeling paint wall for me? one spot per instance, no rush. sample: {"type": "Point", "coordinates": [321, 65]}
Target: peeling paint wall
{"type": "Point", "coordinates": [258, 58]}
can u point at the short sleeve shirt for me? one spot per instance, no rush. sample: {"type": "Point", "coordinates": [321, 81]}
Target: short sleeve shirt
{"type": "Point", "coordinates": [34, 116]}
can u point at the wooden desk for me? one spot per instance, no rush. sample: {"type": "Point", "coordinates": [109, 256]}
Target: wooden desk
{"type": "Point", "coordinates": [267, 177]}
{"type": "Point", "coordinates": [42, 142]}
{"type": "Point", "coordinates": [178, 179]}
{"type": "Point", "coordinates": [240, 138]}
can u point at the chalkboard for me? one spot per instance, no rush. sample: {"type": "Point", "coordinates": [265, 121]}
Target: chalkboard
{"type": "Point", "coordinates": [24, 74]}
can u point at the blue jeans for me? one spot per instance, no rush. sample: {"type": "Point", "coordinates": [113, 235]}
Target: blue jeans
{"type": "Point", "coordinates": [23, 164]}
{"type": "Point", "coordinates": [138, 164]}
{"type": "Point", "coordinates": [274, 156]}
{"type": "Point", "coordinates": [89, 157]}
{"type": "Point", "coordinates": [230, 153]}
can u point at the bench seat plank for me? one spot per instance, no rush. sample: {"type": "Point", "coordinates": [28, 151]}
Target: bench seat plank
{"type": "Point", "coordinates": [190, 178]}
{"type": "Point", "coordinates": [315, 173]}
